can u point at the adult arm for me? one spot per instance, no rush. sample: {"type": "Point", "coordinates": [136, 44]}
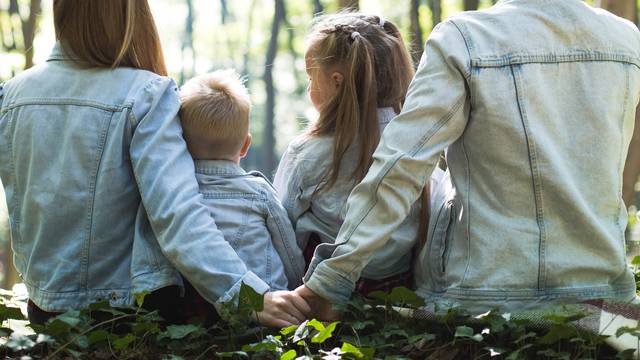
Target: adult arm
{"type": "Point", "coordinates": [434, 116]}
{"type": "Point", "coordinates": [187, 234]}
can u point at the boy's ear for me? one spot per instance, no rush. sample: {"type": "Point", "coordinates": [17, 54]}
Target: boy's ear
{"type": "Point", "coordinates": [246, 146]}
{"type": "Point", "coordinates": [337, 78]}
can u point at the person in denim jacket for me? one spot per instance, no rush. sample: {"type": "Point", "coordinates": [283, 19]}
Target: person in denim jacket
{"type": "Point", "coordinates": [215, 118]}
{"type": "Point", "coordinates": [535, 102]}
{"type": "Point", "coordinates": [354, 61]}
{"type": "Point", "coordinates": [102, 197]}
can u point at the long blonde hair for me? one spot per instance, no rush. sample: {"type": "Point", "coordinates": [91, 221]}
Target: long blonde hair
{"type": "Point", "coordinates": [109, 34]}
{"type": "Point", "coordinates": [377, 72]}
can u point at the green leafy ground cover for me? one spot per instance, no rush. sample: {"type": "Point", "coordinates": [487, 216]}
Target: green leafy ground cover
{"type": "Point", "coordinates": [370, 328]}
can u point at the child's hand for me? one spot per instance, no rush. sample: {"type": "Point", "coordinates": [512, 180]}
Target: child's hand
{"type": "Point", "coordinates": [322, 309]}
{"type": "Point", "coordinates": [282, 309]}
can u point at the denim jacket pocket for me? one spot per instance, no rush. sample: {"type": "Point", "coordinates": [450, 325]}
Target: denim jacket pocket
{"type": "Point", "coordinates": [440, 242]}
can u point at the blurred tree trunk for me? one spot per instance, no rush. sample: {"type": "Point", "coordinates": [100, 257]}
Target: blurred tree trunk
{"type": "Point", "coordinates": [349, 4]}
{"type": "Point", "coordinates": [629, 10]}
{"type": "Point", "coordinates": [187, 44]}
{"type": "Point", "coordinates": [471, 5]}
{"type": "Point", "coordinates": [224, 11]}
{"type": "Point", "coordinates": [317, 7]}
{"type": "Point", "coordinates": [417, 42]}
{"type": "Point", "coordinates": [436, 11]}
{"type": "Point", "coordinates": [269, 141]}
{"type": "Point", "coordinates": [28, 27]}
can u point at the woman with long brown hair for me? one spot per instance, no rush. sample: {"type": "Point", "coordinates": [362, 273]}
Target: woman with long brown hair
{"type": "Point", "coordinates": [102, 195]}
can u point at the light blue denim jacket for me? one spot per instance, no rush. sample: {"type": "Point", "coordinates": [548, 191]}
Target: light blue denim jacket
{"type": "Point", "coordinates": [253, 221]}
{"type": "Point", "coordinates": [303, 167]}
{"type": "Point", "coordinates": [90, 158]}
{"type": "Point", "coordinates": [535, 101]}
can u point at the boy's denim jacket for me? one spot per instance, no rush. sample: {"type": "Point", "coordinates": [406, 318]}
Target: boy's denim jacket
{"type": "Point", "coordinates": [253, 221]}
{"type": "Point", "coordinates": [535, 101]}
{"type": "Point", "coordinates": [94, 165]}
{"type": "Point", "coordinates": [303, 167]}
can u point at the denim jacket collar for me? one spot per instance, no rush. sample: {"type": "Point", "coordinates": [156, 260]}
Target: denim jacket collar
{"type": "Point", "coordinates": [218, 167]}
{"type": "Point", "coordinates": [59, 54]}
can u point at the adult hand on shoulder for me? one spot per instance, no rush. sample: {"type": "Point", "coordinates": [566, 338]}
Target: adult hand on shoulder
{"type": "Point", "coordinates": [282, 309]}
{"type": "Point", "coordinates": [322, 309]}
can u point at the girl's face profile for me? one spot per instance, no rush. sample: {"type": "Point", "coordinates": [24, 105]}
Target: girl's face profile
{"type": "Point", "coordinates": [322, 87]}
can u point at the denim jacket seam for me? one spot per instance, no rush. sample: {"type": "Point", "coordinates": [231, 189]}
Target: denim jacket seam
{"type": "Point", "coordinates": [272, 214]}
{"type": "Point", "coordinates": [468, 43]}
{"type": "Point", "coordinates": [65, 101]}
{"type": "Point", "coordinates": [430, 133]}
{"type": "Point", "coordinates": [86, 249]}
{"type": "Point", "coordinates": [621, 161]}
{"type": "Point", "coordinates": [515, 58]}
{"type": "Point", "coordinates": [536, 177]}
{"type": "Point", "coordinates": [206, 194]}
{"type": "Point", "coordinates": [468, 212]}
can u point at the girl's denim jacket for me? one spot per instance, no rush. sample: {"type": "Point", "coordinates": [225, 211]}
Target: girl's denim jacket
{"type": "Point", "coordinates": [102, 196]}
{"type": "Point", "coordinates": [535, 101]}
{"type": "Point", "coordinates": [303, 168]}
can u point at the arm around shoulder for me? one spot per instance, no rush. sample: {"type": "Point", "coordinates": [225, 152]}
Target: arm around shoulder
{"type": "Point", "coordinates": [165, 174]}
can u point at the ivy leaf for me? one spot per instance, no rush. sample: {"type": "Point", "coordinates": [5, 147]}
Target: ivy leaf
{"type": "Point", "coordinates": [10, 313]}
{"type": "Point", "coordinates": [20, 342]}
{"type": "Point", "coordinates": [317, 325]}
{"type": "Point", "coordinates": [558, 332]}
{"type": "Point", "coordinates": [289, 355]}
{"type": "Point", "coordinates": [361, 325]}
{"type": "Point", "coordinates": [403, 296]}
{"type": "Point", "coordinates": [325, 333]}
{"type": "Point", "coordinates": [97, 336]}
{"type": "Point", "coordinates": [140, 297]}
{"type": "Point", "coordinates": [302, 332]}
{"type": "Point", "coordinates": [636, 261]}
{"type": "Point", "coordinates": [177, 332]}
{"type": "Point", "coordinates": [249, 300]}
{"type": "Point", "coordinates": [124, 342]}
{"type": "Point", "coordinates": [289, 330]}
{"type": "Point", "coordinates": [351, 349]}
{"type": "Point", "coordinates": [468, 333]}
{"type": "Point", "coordinates": [233, 354]}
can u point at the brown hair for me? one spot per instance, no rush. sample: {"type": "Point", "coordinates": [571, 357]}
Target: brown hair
{"type": "Point", "coordinates": [377, 72]}
{"type": "Point", "coordinates": [109, 34]}
{"type": "Point", "coordinates": [215, 115]}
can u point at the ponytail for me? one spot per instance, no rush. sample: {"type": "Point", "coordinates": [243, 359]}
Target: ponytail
{"type": "Point", "coordinates": [377, 71]}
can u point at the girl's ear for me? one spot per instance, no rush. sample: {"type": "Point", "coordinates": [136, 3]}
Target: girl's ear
{"type": "Point", "coordinates": [337, 79]}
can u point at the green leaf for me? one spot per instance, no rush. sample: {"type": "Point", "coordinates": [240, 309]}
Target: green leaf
{"type": "Point", "coordinates": [403, 296]}
{"type": "Point", "coordinates": [361, 325]}
{"type": "Point", "coordinates": [302, 332]}
{"type": "Point", "coordinates": [124, 342]}
{"type": "Point", "coordinates": [558, 332]}
{"type": "Point", "coordinates": [20, 342]}
{"type": "Point", "coordinates": [57, 328]}
{"type": "Point", "coordinates": [325, 334]}
{"type": "Point", "coordinates": [289, 330]}
{"type": "Point", "coordinates": [177, 332]}
{"type": "Point", "coordinates": [97, 336]}
{"type": "Point", "coordinates": [464, 332]}
{"type": "Point", "coordinates": [636, 261]}
{"type": "Point", "coordinates": [249, 300]}
{"type": "Point", "coordinates": [81, 341]}
{"type": "Point", "coordinates": [71, 318]}
{"type": "Point", "coordinates": [289, 355]}
{"type": "Point", "coordinates": [140, 297]}
{"type": "Point", "coordinates": [232, 354]}
{"type": "Point", "coordinates": [351, 349]}
{"type": "Point", "coordinates": [10, 313]}
{"type": "Point", "coordinates": [317, 325]}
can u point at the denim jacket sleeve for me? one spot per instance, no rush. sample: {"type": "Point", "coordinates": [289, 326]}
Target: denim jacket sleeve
{"type": "Point", "coordinates": [284, 240]}
{"type": "Point", "coordinates": [165, 173]}
{"type": "Point", "coordinates": [289, 183]}
{"type": "Point", "coordinates": [434, 116]}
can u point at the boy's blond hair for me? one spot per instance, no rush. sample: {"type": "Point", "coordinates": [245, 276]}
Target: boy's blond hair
{"type": "Point", "coordinates": [215, 115]}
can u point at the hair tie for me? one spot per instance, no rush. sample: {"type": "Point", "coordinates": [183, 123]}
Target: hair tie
{"type": "Point", "coordinates": [383, 22]}
{"type": "Point", "coordinates": [354, 35]}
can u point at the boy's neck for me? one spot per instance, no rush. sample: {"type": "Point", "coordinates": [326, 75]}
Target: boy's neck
{"type": "Point", "coordinates": [235, 160]}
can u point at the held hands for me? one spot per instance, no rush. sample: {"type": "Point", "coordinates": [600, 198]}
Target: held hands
{"type": "Point", "coordinates": [282, 309]}
{"type": "Point", "coordinates": [286, 308]}
{"type": "Point", "coordinates": [322, 309]}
